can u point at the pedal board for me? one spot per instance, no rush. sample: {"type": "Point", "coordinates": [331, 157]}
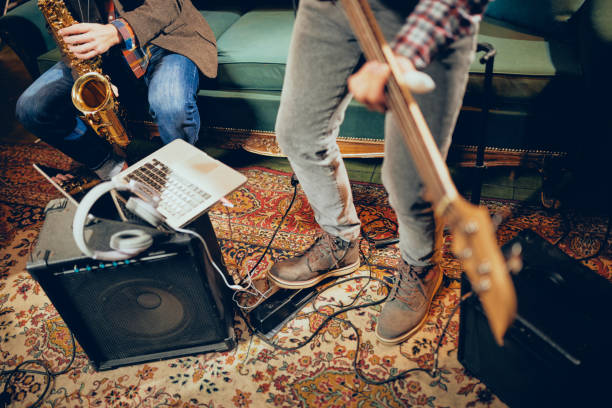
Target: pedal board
{"type": "Point", "coordinates": [273, 313]}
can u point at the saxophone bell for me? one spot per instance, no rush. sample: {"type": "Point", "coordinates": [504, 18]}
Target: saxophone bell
{"type": "Point", "coordinates": [91, 92]}
{"type": "Point", "coordinates": [92, 95]}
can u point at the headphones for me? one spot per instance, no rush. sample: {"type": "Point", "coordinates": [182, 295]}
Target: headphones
{"type": "Point", "coordinates": [125, 244]}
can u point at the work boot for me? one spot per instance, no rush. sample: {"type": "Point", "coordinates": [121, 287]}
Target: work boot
{"type": "Point", "coordinates": [328, 256]}
{"type": "Point", "coordinates": [408, 304]}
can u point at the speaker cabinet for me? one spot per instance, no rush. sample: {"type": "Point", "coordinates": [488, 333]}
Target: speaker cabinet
{"type": "Point", "coordinates": [557, 350]}
{"type": "Point", "coordinates": [167, 302]}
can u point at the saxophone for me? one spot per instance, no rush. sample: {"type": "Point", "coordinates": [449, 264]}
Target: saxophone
{"type": "Point", "coordinates": [92, 93]}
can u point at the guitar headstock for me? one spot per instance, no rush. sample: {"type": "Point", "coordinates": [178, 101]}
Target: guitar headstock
{"type": "Point", "coordinates": [475, 244]}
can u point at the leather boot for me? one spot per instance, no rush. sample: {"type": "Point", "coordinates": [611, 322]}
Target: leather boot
{"type": "Point", "coordinates": [328, 256]}
{"type": "Point", "coordinates": [406, 309]}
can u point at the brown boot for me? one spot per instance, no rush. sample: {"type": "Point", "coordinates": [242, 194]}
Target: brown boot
{"type": "Point", "coordinates": [408, 304]}
{"type": "Point", "coordinates": [328, 256]}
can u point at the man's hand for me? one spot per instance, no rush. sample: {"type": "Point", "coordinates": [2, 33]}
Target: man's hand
{"type": "Point", "coordinates": [368, 84]}
{"type": "Point", "coordinates": [87, 40]}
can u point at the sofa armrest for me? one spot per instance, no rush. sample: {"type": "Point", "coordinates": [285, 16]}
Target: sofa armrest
{"type": "Point", "coordinates": [24, 30]}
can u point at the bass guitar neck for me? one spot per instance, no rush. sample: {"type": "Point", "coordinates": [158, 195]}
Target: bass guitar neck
{"type": "Point", "coordinates": [474, 240]}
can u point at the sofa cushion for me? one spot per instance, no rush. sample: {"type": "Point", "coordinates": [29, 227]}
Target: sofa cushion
{"type": "Point", "coordinates": [537, 80]}
{"type": "Point", "coordinates": [544, 16]}
{"type": "Point", "coordinates": [525, 63]}
{"type": "Point", "coordinates": [253, 51]}
{"type": "Point", "coordinates": [220, 20]}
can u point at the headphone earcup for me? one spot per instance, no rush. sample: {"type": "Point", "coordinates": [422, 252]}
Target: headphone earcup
{"type": "Point", "coordinates": [125, 244]}
{"type": "Point", "coordinates": [131, 241]}
{"type": "Point", "coordinates": [144, 210]}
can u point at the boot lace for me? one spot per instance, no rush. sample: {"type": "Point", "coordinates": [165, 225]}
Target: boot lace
{"type": "Point", "coordinates": [324, 248]}
{"type": "Point", "coordinates": [407, 287]}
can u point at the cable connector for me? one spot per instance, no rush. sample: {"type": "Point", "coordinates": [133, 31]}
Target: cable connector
{"type": "Point", "coordinates": [294, 180]}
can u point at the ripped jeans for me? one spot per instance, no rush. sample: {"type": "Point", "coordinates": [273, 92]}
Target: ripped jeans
{"type": "Point", "coordinates": [323, 54]}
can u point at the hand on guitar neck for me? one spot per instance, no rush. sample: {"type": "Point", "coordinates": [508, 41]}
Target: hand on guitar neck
{"type": "Point", "coordinates": [382, 83]}
{"type": "Point", "coordinates": [368, 84]}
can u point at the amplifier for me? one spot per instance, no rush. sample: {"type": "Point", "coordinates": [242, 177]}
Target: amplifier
{"type": "Point", "coordinates": [167, 302]}
{"type": "Point", "coordinates": [556, 352]}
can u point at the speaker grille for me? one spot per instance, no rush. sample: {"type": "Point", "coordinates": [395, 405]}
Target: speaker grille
{"type": "Point", "coordinates": [143, 308]}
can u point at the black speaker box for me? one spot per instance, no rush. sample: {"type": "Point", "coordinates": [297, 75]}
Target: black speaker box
{"type": "Point", "coordinates": [556, 352]}
{"type": "Point", "coordinates": [167, 302]}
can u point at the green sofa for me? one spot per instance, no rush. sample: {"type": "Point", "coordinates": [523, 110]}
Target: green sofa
{"type": "Point", "coordinates": [548, 51]}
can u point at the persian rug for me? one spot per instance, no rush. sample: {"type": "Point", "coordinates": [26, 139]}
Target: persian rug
{"type": "Point", "coordinates": [254, 374]}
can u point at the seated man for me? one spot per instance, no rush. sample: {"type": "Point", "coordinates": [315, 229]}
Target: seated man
{"type": "Point", "coordinates": [436, 36]}
{"type": "Point", "coordinates": [156, 44]}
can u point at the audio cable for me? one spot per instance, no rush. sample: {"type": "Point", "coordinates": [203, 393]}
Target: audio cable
{"type": "Point", "coordinates": [7, 392]}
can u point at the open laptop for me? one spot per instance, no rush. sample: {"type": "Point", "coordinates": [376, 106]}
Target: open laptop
{"type": "Point", "coordinates": [183, 181]}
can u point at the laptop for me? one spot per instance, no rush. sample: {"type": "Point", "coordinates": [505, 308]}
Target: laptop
{"type": "Point", "coordinates": [182, 180]}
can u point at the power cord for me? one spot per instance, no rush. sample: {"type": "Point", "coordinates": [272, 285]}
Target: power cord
{"type": "Point", "coordinates": [327, 318]}
{"type": "Point", "coordinates": [250, 288]}
{"type": "Point", "coordinates": [376, 243]}
{"type": "Point", "coordinates": [6, 395]}
{"type": "Point", "coordinates": [294, 184]}
{"type": "Point", "coordinates": [353, 306]}
{"type": "Point", "coordinates": [381, 243]}
{"type": "Point", "coordinates": [249, 276]}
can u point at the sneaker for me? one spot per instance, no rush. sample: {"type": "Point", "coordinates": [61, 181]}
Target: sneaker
{"type": "Point", "coordinates": [328, 256]}
{"type": "Point", "coordinates": [406, 309]}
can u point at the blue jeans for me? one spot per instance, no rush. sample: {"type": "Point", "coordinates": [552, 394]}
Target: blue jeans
{"type": "Point", "coordinates": [323, 53]}
{"type": "Point", "coordinates": [172, 80]}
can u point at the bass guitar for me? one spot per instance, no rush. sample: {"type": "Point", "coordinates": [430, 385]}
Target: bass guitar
{"type": "Point", "coordinates": [474, 240]}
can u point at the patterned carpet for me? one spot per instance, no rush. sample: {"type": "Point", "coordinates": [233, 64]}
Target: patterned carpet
{"type": "Point", "coordinates": [254, 374]}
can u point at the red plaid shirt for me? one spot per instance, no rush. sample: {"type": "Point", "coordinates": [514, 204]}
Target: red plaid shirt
{"type": "Point", "coordinates": [137, 57]}
{"type": "Point", "coordinates": [435, 23]}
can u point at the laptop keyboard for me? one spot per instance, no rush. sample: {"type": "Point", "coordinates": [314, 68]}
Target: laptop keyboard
{"type": "Point", "coordinates": [177, 195]}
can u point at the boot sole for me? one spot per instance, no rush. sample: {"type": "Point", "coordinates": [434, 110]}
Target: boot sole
{"type": "Point", "coordinates": [403, 337]}
{"type": "Point", "coordinates": [312, 282]}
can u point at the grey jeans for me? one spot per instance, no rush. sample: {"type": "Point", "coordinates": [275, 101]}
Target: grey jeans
{"type": "Point", "coordinates": [323, 53]}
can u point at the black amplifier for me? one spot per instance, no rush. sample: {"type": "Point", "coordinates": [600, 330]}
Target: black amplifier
{"type": "Point", "coordinates": [167, 302]}
{"type": "Point", "coordinates": [558, 349]}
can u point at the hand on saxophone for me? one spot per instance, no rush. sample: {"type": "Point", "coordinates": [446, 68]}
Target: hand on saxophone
{"type": "Point", "coordinates": [368, 84]}
{"type": "Point", "coordinates": [87, 40]}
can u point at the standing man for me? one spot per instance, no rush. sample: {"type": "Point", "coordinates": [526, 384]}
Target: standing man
{"type": "Point", "coordinates": [161, 44]}
{"type": "Point", "coordinates": [435, 36]}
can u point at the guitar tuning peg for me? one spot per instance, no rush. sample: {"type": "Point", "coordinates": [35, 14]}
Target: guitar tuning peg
{"type": "Point", "coordinates": [515, 260]}
{"type": "Point", "coordinates": [484, 267]}
{"type": "Point", "coordinates": [470, 227]}
{"type": "Point", "coordinates": [496, 220]}
{"type": "Point", "coordinates": [465, 253]}
{"type": "Point", "coordinates": [499, 216]}
{"type": "Point", "coordinates": [482, 286]}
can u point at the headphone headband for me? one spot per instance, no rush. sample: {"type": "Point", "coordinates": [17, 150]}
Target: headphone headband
{"type": "Point", "coordinates": [122, 249]}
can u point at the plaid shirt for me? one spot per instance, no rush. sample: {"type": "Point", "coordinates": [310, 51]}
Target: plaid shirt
{"type": "Point", "coordinates": [137, 57]}
{"type": "Point", "coordinates": [434, 24]}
